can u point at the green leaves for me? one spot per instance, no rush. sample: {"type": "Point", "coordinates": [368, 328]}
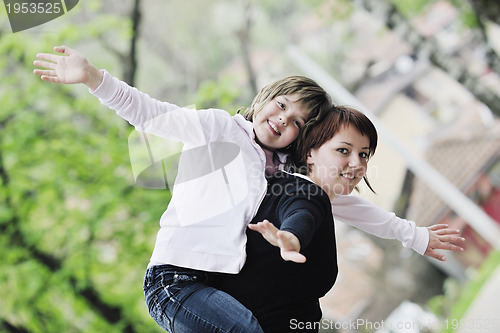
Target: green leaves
{"type": "Point", "coordinates": [75, 238]}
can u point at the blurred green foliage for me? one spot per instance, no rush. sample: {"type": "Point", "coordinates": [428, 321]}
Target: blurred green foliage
{"type": "Point", "coordinates": [76, 234]}
{"type": "Point", "coordinates": [410, 9]}
{"type": "Point", "coordinates": [221, 94]}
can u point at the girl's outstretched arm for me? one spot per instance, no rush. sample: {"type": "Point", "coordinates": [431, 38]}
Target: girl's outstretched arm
{"type": "Point", "coordinates": [145, 113]}
{"type": "Point", "coordinates": [68, 68]}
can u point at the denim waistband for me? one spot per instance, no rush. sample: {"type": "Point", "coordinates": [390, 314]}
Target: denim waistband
{"type": "Point", "coordinates": [180, 272]}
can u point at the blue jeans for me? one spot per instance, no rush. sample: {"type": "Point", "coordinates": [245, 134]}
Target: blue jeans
{"type": "Point", "coordinates": [180, 300]}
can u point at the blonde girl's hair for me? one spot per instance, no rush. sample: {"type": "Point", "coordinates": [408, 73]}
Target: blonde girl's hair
{"type": "Point", "coordinates": [314, 98]}
{"type": "Point", "coordinates": [311, 95]}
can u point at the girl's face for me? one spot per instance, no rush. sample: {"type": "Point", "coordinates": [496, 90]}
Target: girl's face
{"type": "Point", "coordinates": [279, 122]}
{"type": "Point", "coordinates": [340, 163]}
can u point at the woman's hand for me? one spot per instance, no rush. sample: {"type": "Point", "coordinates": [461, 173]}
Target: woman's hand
{"type": "Point", "coordinates": [288, 243]}
{"type": "Point", "coordinates": [442, 238]}
{"type": "Point", "coordinates": [69, 68]}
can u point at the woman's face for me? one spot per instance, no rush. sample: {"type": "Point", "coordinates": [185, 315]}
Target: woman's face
{"type": "Point", "coordinates": [279, 122]}
{"type": "Point", "coordinates": [340, 163]}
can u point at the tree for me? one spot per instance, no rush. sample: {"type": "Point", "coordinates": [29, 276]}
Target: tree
{"type": "Point", "coordinates": [244, 36]}
{"type": "Point", "coordinates": [128, 57]}
{"type": "Point", "coordinates": [74, 233]}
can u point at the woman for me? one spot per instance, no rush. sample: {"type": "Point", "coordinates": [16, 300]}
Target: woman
{"type": "Point", "coordinates": [284, 294]}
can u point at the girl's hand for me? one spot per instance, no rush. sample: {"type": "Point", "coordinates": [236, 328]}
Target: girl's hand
{"type": "Point", "coordinates": [288, 243]}
{"type": "Point", "coordinates": [69, 68]}
{"type": "Point", "coordinates": [442, 238]}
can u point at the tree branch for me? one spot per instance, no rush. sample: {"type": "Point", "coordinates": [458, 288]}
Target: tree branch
{"type": "Point", "coordinates": [10, 328]}
{"type": "Point", "coordinates": [244, 37]}
{"type": "Point", "coordinates": [131, 63]}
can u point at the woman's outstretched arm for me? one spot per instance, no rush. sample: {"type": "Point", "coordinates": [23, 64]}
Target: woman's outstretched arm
{"type": "Point", "coordinates": [288, 243]}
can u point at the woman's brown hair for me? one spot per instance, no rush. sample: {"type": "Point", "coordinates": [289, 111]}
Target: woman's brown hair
{"type": "Point", "coordinates": [318, 132]}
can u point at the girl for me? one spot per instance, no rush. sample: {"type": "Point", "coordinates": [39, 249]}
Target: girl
{"type": "Point", "coordinates": [203, 228]}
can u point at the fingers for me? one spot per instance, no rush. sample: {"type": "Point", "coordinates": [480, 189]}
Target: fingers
{"type": "Point", "coordinates": [441, 237]}
{"type": "Point", "coordinates": [437, 227]}
{"type": "Point", "coordinates": [442, 229]}
{"type": "Point", "coordinates": [253, 227]}
{"type": "Point", "coordinates": [64, 49]}
{"type": "Point", "coordinates": [49, 61]}
{"type": "Point", "coordinates": [447, 243]}
{"type": "Point", "coordinates": [53, 79]}
{"type": "Point", "coordinates": [44, 64]}
{"type": "Point", "coordinates": [444, 242]}
{"type": "Point", "coordinates": [47, 75]}
{"type": "Point", "coordinates": [436, 255]}
{"type": "Point", "coordinates": [44, 72]}
{"type": "Point", "coordinates": [48, 56]}
{"type": "Point", "coordinates": [293, 256]}
{"type": "Point", "coordinates": [451, 238]}
{"type": "Point", "coordinates": [448, 232]}
{"type": "Point", "coordinates": [54, 57]}
{"type": "Point", "coordinates": [267, 230]}
{"type": "Point", "coordinates": [452, 247]}
{"type": "Point", "coordinates": [260, 226]}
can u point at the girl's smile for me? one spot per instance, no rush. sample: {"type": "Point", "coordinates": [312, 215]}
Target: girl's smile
{"type": "Point", "coordinates": [275, 127]}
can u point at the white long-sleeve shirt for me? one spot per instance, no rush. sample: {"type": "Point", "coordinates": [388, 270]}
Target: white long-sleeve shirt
{"type": "Point", "coordinates": [368, 217]}
{"type": "Point", "coordinates": [364, 215]}
{"type": "Point", "coordinates": [204, 224]}
{"type": "Point", "coordinates": [220, 182]}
